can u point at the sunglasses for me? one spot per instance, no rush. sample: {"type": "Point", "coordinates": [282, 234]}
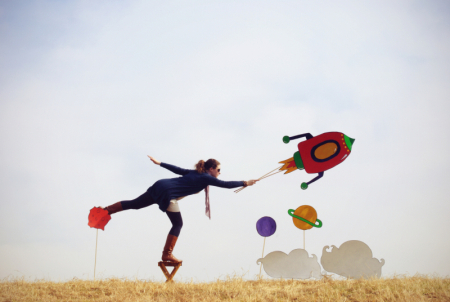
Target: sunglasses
{"type": "Point", "coordinates": [218, 170]}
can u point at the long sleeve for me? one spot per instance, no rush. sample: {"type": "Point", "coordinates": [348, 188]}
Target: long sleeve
{"type": "Point", "coordinates": [224, 184]}
{"type": "Point", "coordinates": [175, 169]}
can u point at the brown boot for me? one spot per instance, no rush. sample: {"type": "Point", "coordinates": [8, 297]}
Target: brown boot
{"type": "Point", "coordinates": [168, 248]}
{"type": "Point", "coordinates": [114, 208]}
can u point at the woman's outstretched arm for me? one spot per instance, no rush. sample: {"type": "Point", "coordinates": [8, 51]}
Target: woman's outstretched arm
{"type": "Point", "coordinates": [230, 184]}
{"type": "Point", "coordinates": [171, 168]}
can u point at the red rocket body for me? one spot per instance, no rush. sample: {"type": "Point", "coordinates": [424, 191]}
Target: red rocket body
{"type": "Point", "coordinates": [317, 153]}
{"type": "Point", "coordinates": [323, 152]}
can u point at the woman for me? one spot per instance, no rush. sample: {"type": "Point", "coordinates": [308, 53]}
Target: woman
{"type": "Point", "coordinates": [167, 192]}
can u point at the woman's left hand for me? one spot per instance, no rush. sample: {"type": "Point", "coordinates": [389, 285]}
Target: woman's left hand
{"type": "Point", "coordinates": [154, 160]}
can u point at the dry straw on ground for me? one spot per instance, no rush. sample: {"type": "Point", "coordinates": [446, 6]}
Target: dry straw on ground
{"type": "Point", "coordinates": [418, 288]}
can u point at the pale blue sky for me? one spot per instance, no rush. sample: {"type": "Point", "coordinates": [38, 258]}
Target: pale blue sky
{"type": "Point", "coordinates": [87, 90]}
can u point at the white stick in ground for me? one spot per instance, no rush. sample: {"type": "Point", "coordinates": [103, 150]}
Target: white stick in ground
{"type": "Point", "coordinates": [95, 263]}
{"type": "Point", "coordinates": [260, 266]}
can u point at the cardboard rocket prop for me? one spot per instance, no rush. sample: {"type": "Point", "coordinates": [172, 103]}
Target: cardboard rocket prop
{"type": "Point", "coordinates": [315, 155]}
{"type": "Point", "coordinates": [318, 154]}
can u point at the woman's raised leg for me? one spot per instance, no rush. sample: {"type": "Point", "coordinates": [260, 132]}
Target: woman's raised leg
{"type": "Point", "coordinates": [142, 201]}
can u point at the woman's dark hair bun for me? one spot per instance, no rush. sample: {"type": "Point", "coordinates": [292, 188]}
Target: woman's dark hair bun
{"type": "Point", "coordinates": [202, 166]}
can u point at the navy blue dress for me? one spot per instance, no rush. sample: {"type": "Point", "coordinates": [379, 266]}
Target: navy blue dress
{"type": "Point", "coordinates": [191, 182]}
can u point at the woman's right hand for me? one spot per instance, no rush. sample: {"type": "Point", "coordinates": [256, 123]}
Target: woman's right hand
{"type": "Point", "coordinates": [154, 160]}
{"type": "Point", "coordinates": [252, 182]}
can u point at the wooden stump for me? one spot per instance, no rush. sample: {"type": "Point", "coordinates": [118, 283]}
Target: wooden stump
{"type": "Point", "coordinates": [176, 266]}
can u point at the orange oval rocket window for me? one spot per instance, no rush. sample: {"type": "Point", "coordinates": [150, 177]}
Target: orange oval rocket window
{"type": "Point", "coordinates": [326, 150]}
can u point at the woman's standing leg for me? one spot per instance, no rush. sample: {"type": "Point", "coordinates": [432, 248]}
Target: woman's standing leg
{"type": "Point", "coordinates": [177, 224]}
{"type": "Point", "coordinates": [142, 201]}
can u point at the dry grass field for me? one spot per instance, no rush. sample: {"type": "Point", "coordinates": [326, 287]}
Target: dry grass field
{"type": "Point", "coordinates": [418, 288]}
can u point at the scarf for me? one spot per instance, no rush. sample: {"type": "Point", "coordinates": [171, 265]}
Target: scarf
{"type": "Point", "coordinates": [207, 209]}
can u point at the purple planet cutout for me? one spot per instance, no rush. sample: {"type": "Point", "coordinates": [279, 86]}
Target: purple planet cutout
{"type": "Point", "coordinates": [266, 226]}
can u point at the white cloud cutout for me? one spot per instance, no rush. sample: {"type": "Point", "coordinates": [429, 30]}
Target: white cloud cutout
{"type": "Point", "coordinates": [297, 265]}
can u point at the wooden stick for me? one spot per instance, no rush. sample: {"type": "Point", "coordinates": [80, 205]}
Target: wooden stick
{"type": "Point", "coordinates": [262, 177]}
{"type": "Point", "coordinates": [174, 272]}
{"type": "Point", "coordinates": [239, 190]}
{"type": "Point", "coordinates": [95, 264]}
{"type": "Point", "coordinates": [260, 265]}
{"type": "Point", "coordinates": [165, 271]}
{"type": "Point", "coordinates": [269, 175]}
{"type": "Point", "coordinates": [304, 239]}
